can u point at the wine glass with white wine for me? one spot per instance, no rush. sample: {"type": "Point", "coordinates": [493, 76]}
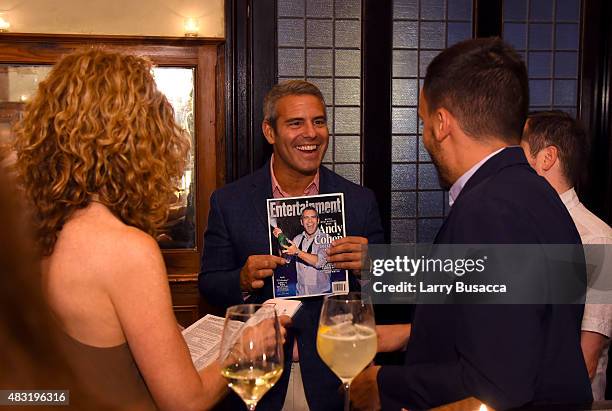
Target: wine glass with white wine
{"type": "Point", "coordinates": [346, 340]}
{"type": "Point", "coordinates": [251, 351]}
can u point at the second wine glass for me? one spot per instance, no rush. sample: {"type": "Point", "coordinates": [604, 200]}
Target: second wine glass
{"type": "Point", "coordinates": [346, 340]}
{"type": "Point", "coordinates": [251, 351]}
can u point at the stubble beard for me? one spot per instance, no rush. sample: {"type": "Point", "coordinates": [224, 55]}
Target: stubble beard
{"type": "Point", "coordinates": [441, 168]}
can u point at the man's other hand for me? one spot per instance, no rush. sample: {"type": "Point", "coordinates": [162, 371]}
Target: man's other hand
{"type": "Point", "coordinates": [592, 345]}
{"type": "Point", "coordinates": [347, 253]}
{"type": "Point", "coordinates": [392, 337]}
{"type": "Point", "coordinates": [256, 269]}
{"type": "Point", "coordinates": [364, 390]}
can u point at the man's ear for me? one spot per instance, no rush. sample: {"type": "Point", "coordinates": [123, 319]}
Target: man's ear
{"type": "Point", "coordinates": [442, 124]}
{"type": "Point", "coordinates": [549, 157]}
{"type": "Point", "coordinates": [268, 131]}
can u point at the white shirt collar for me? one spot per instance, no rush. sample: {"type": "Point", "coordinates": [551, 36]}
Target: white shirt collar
{"type": "Point", "coordinates": [570, 198]}
{"type": "Point", "coordinates": [456, 188]}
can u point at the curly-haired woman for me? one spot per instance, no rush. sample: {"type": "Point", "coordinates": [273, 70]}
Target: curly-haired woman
{"type": "Point", "coordinates": [98, 155]}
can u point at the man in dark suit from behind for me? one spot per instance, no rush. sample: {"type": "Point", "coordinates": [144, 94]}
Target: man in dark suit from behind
{"type": "Point", "coordinates": [236, 263]}
{"type": "Point", "coordinates": [473, 106]}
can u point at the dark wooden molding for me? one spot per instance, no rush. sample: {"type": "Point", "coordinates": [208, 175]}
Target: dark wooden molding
{"type": "Point", "coordinates": [251, 64]}
{"type": "Point", "coordinates": [110, 38]}
{"type": "Point", "coordinates": [377, 49]}
{"type": "Point", "coordinates": [263, 72]}
{"type": "Point", "coordinates": [221, 112]}
{"type": "Point", "coordinates": [595, 104]}
{"type": "Point", "coordinates": [47, 49]}
{"type": "Point", "coordinates": [237, 80]}
{"type": "Point", "coordinates": [183, 278]}
{"type": "Point", "coordinates": [488, 18]}
{"type": "Point", "coordinates": [4, 84]}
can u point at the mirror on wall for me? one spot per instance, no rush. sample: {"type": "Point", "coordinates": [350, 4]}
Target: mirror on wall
{"type": "Point", "coordinates": [19, 83]}
{"type": "Point", "coordinates": [178, 84]}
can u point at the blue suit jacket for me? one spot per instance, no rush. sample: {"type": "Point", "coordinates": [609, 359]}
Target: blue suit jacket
{"type": "Point", "coordinates": [505, 355]}
{"type": "Point", "coordinates": [238, 228]}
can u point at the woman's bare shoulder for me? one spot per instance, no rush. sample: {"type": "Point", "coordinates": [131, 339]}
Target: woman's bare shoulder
{"type": "Point", "coordinates": [99, 266]}
{"type": "Point", "coordinates": [101, 241]}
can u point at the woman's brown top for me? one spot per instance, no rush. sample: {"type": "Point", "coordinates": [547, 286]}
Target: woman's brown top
{"type": "Point", "coordinates": [108, 375]}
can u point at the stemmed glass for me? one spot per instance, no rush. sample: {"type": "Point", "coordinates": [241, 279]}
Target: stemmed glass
{"type": "Point", "coordinates": [251, 351]}
{"type": "Point", "coordinates": [346, 340]}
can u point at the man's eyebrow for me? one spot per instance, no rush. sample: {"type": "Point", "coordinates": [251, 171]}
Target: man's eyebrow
{"type": "Point", "coordinates": [289, 120]}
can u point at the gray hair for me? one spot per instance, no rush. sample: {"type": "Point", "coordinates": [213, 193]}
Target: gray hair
{"type": "Point", "coordinates": [287, 88]}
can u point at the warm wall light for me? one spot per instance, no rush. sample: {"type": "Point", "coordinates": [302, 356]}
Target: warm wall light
{"type": "Point", "coordinates": [4, 24]}
{"type": "Point", "coordinates": [191, 27]}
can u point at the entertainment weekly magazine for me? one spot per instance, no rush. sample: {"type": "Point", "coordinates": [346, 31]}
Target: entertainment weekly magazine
{"type": "Point", "coordinates": [301, 229]}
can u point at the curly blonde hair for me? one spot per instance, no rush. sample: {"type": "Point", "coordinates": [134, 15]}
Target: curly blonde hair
{"type": "Point", "coordinates": [99, 128]}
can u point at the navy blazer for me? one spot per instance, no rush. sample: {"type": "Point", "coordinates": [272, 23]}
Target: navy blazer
{"type": "Point", "coordinates": [505, 355]}
{"type": "Point", "coordinates": [238, 228]}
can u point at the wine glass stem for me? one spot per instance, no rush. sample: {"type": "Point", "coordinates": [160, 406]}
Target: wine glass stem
{"type": "Point", "coordinates": [347, 396]}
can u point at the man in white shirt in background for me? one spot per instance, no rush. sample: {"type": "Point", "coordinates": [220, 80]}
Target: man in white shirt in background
{"type": "Point", "coordinates": [556, 146]}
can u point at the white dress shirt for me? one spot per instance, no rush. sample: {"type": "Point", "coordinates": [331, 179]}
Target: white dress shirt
{"type": "Point", "coordinates": [597, 317]}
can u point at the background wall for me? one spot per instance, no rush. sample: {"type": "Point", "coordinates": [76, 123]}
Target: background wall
{"type": "Point", "coordinates": [121, 17]}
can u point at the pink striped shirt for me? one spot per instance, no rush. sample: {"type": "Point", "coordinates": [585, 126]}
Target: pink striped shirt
{"type": "Point", "coordinates": [277, 192]}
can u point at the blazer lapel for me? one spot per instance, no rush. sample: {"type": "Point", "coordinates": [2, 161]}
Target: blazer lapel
{"type": "Point", "coordinates": [327, 182]}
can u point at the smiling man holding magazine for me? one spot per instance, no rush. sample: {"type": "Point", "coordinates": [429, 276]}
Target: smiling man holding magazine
{"type": "Point", "coordinates": [236, 263]}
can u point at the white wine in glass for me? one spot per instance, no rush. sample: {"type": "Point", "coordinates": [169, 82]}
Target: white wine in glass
{"type": "Point", "coordinates": [347, 350]}
{"type": "Point", "coordinates": [346, 340]}
{"type": "Point", "coordinates": [251, 351]}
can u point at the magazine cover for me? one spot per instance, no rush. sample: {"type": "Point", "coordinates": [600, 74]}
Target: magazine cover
{"type": "Point", "coordinates": [301, 230]}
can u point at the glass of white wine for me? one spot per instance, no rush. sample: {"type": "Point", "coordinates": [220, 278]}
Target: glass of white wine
{"type": "Point", "coordinates": [346, 340]}
{"type": "Point", "coordinates": [251, 351]}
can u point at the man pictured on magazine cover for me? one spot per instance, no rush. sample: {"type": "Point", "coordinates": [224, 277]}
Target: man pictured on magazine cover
{"type": "Point", "coordinates": [310, 248]}
{"type": "Point", "coordinates": [236, 263]}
